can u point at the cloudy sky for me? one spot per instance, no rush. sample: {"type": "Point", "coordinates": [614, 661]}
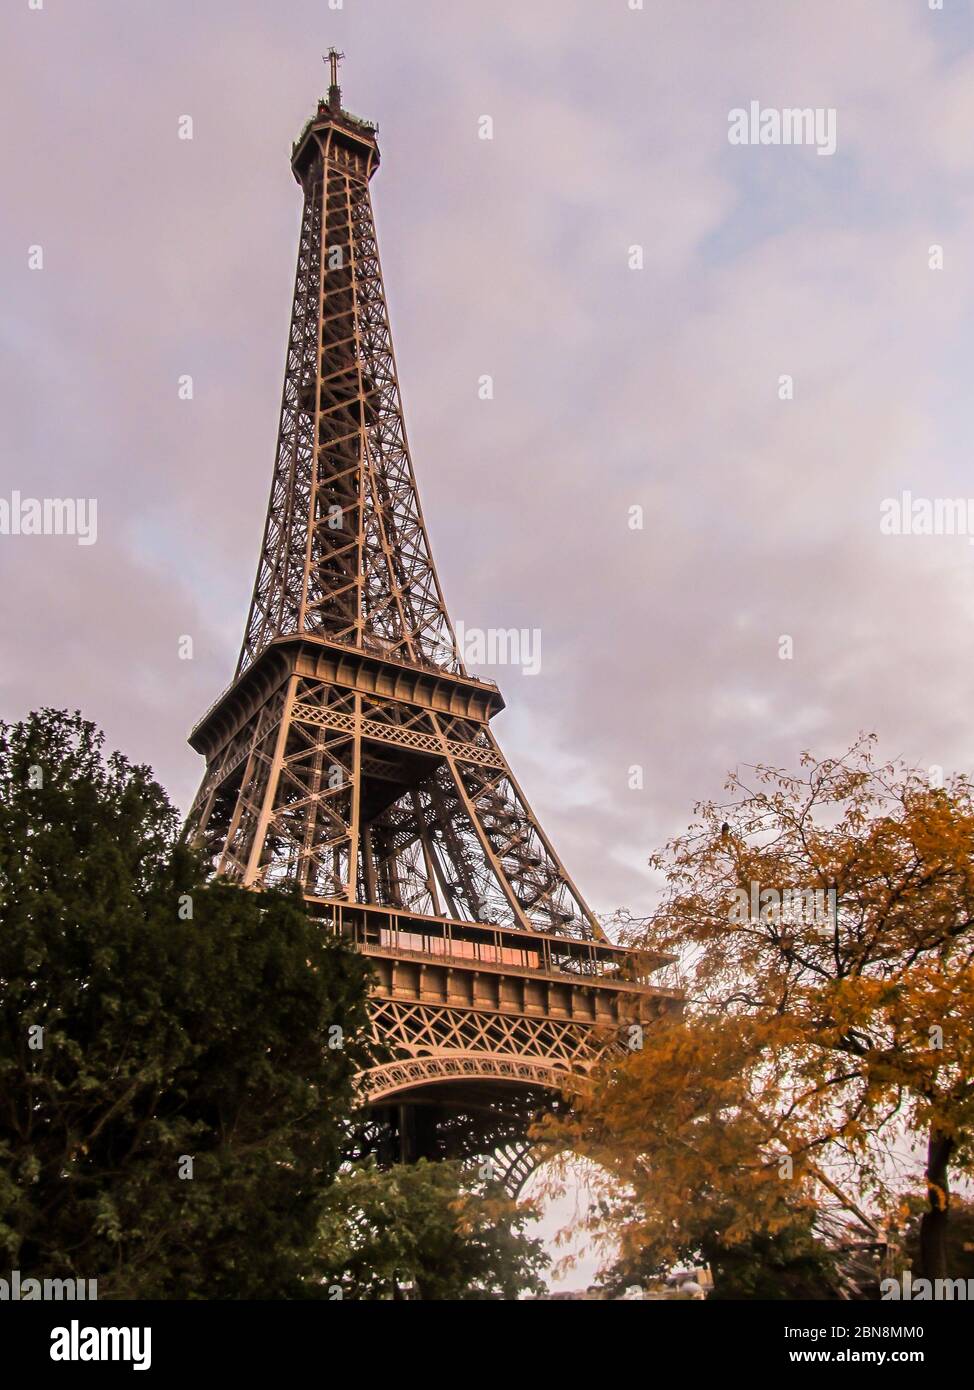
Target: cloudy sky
{"type": "Point", "coordinates": [614, 388]}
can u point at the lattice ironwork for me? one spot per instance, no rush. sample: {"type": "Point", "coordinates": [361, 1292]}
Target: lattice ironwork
{"type": "Point", "coordinates": [415, 1028]}
{"type": "Point", "coordinates": [379, 1083]}
{"type": "Point", "coordinates": [345, 552]}
{"type": "Point", "coordinates": [352, 753]}
{"type": "Point", "coordinates": [518, 1160]}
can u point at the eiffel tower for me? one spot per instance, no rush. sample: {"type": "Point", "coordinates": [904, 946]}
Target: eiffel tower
{"type": "Point", "coordinates": [353, 753]}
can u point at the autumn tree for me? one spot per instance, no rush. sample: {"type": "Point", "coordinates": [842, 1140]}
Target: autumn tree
{"type": "Point", "coordinates": [824, 922]}
{"type": "Point", "coordinates": [426, 1231]}
{"type": "Point", "coordinates": [176, 1055]}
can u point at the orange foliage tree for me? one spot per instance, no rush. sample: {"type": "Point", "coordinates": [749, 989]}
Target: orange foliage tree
{"type": "Point", "coordinates": [825, 925]}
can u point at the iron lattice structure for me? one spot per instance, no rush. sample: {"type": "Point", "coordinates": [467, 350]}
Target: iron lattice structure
{"type": "Point", "coordinates": [353, 753]}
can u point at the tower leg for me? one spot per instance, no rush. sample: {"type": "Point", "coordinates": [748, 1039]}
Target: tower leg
{"type": "Point", "coordinates": [407, 1134]}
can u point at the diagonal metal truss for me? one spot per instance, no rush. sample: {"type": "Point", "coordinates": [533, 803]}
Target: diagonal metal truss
{"type": "Point", "coordinates": [416, 1028]}
{"type": "Point", "coordinates": [360, 798]}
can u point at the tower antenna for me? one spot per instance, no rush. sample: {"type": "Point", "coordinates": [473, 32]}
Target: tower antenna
{"type": "Point", "coordinates": [334, 91]}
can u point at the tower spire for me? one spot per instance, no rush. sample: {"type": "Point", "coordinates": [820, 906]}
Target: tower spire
{"type": "Point", "coordinates": [334, 91]}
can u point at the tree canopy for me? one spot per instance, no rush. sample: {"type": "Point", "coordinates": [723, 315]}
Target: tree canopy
{"type": "Point", "coordinates": [824, 921]}
{"type": "Point", "coordinates": [427, 1231]}
{"type": "Point", "coordinates": [176, 1055]}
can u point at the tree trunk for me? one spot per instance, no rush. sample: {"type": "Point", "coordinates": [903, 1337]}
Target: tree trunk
{"type": "Point", "coordinates": [933, 1226]}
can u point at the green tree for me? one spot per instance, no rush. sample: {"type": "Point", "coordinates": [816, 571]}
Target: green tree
{"type": "Point", "coordinates": [793, 1263]}
{"type": "Point", "coordinates": [176, 1056]}
{"type": "Point", "coordinates": [420, 1232]}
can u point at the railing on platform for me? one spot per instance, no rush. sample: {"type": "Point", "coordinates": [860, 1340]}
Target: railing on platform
{"type": "Point", "coordinates": [378, 930]}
